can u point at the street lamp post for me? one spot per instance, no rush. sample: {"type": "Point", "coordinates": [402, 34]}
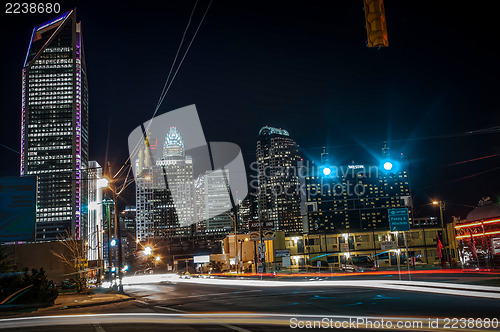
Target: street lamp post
{"type": "Point", "coordinates": [445, 238]}
{"type": "Point", "coordinates": [118, 236]}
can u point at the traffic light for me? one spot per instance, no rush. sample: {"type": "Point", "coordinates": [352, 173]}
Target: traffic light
{"type": "Point", "coordinates": [390, 166]}
{"type": "Point", "coordinates": [376, 27]}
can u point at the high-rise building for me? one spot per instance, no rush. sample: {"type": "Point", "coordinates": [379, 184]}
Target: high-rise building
{"type": "Point", "coordinates": [355, 197]}
{"type": "Point", "coordinates": [216, 201]}
{"type": "Point", "coordinates": [128, 228]}
{"type": "Point", "coordinates": [178, 177]}
{"type": "Point", "coordinates": [95, 216]}
{"type": "Point", "coordinates": [247, 212]}
{"type": "Point", "coordinates": [54, 130]}
{"type": "Point", "coordinates": [165, 191]}
{"type": "Point", "coordinates": [279, 197]}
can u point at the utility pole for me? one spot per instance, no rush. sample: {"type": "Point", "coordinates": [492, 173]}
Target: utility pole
{"type": "Point", "coordinates": [119, 242]}
{"type": "Point", "coordinates": [99, 266]}
{"type": "Point", "coordinates": [443, 233]}
{"type": "Point", "coordinates": [236, 263]}
{"type": "Point", "coordinates": [117, 234]}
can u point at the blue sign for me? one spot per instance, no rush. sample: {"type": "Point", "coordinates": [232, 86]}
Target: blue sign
{"type": "Point", "coordinates": [399, 220]}
{"type": "Point", "coordinates": [17, 209]}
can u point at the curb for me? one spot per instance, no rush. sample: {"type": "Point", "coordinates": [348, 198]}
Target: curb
{"type": "Point", "coordinates": [15, 307]}
{"type": "Point", "coordinates": [84, 305]}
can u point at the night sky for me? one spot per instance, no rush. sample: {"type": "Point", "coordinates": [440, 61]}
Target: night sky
{"type": "Point", "coordinates": [299, 65]}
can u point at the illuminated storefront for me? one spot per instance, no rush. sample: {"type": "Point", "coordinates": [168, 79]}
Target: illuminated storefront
{"type": "Point", "coordinates": [479, 238]}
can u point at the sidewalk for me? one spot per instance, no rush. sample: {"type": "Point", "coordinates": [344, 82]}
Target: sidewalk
{"type": "Point", "coordinates": [98, 297]}
{"type": "Point", "coordinates": [68, 301]}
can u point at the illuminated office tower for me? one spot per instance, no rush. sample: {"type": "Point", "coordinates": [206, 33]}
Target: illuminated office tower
{"type": "Point", "coordinates": [95, 217]}
{"type": "Point", "coordinates": [54, 131]}
{"type": "Point", "coordinates": [158, 183]}
{"type": "Point", "coordinates": [279, 197]}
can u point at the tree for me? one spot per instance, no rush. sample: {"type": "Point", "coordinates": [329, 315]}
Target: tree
{"type": "Point", "coordinates": [74, 256]}
{"type": "Point", "coordinates": [217, 266]}
{"type": "Point", "coordinates": [6, 263]}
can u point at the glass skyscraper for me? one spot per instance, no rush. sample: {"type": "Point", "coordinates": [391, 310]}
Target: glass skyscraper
{"type": "Point", "coordinates": [54, 129]}
{"type": "Point", "coordinates": [279, 197]}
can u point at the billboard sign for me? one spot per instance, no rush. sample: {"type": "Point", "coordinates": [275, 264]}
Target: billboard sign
{"type": "Point", "coordinates": [388, 245]}
{"type": "Point", "coordinates": [201, 259]}
{"type": "Point", "coordinates": [17, 209]}
{"type": "Point", "coordinates": [495, 245]}
{"type": "Point", "coordinates": [281, 252]}
{"type": "Point", "coordinates": [256, 225]}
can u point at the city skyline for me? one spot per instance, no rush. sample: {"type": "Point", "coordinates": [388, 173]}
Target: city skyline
{"type": "Point", "coordinates": [423, 154]}
{"type": "Point", "coordinates": [249, 165]}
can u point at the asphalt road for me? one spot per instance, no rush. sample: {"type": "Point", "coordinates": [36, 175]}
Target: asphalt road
{"type": "Point", "coordinates": [233, 307]}
{"type": "Point", "coordinates": [329, 300]}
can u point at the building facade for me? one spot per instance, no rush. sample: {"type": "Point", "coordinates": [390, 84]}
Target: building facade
{"type": "Point", "coordinates": [165, 191]}
{"type": "Point", "coordinates": [278, 197]}
{"type": "Point", "coordinates": [95, 216]}
{"type": "Point", "coordinates": [54, 129]}
{"type": "Point", "coordinates": [355, 197]}
{"type": "Point", "coordinates": [478, 237]}
{"type": "Point", "coordinates": [216, 202]}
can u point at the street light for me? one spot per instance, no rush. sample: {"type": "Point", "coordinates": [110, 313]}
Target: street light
{"type": "Point", "coordinates": [147, 251]}
{"type": "Point", "coordinates": [102, 183]}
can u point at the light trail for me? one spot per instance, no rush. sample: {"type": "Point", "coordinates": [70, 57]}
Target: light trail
{"type": "Point", "coordinates": [240, 318]}
{"type": "Point", "coordinates": [467, 290]}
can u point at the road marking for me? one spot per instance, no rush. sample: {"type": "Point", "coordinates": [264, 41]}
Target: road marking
{"type": "Point", "coordinates": [415, 286]}
{"type": "Point", "coordinates": [226, 293]}
{"type": "Point", "coordinates": [229, 326]}
{"type": "Point", "coordinates": [143, 302]}
{"type": "Point", "coordinates": [98, 328]}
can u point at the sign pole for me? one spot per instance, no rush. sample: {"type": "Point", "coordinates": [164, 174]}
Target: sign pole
{"type": "Point", "coordinates": [407, 258]}
{"type": "Point", "coordinates": [399, 267]}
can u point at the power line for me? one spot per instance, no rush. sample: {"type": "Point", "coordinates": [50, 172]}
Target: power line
{"type": "Point", "coordinates": [422, 138]}
{"type": "Point", "coordinates": [5, 146]}
{"type": "Point", "coordinates": [165, 91]}
{"type": "Point", "coordinates": [175, 58]}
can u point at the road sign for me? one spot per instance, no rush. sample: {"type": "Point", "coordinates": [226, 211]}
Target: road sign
{"type": "Point", "coordinates": [399, 220]}
{"type": "Point", "coordinates": [281, 252]}
{"type": "Point", "coordinates": [286, 261]}
{"type": "Point", "coordinates": [268, 235]}
{"type": "Point", "coordinates": [255, 225]}
{"type": "Point", "coordinates": [495, 245]}
{"type": "Point", "coordinates": [254, 236]}
{"type": "Point", "coordinates": [388, 245]}
{"type": "Point", "coordinates": [344, 247]}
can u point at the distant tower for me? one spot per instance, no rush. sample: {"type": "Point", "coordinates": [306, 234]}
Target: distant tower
{"type": "Point", "coordinates": [386, 151]}
{"type": "Point", "coordinates": [165, 190]}
{"type": "Point", "coordinates": [174, 146]}
{"type": "Point", "coordinates": [324, 156]}
{"type": "Point", "coordinates": [279, 197]}
{"type": "Point", "coordinates": [54, 127]}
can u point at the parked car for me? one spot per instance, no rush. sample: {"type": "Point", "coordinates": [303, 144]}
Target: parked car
{"type": "Point", "coordinates": [359, 264]}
